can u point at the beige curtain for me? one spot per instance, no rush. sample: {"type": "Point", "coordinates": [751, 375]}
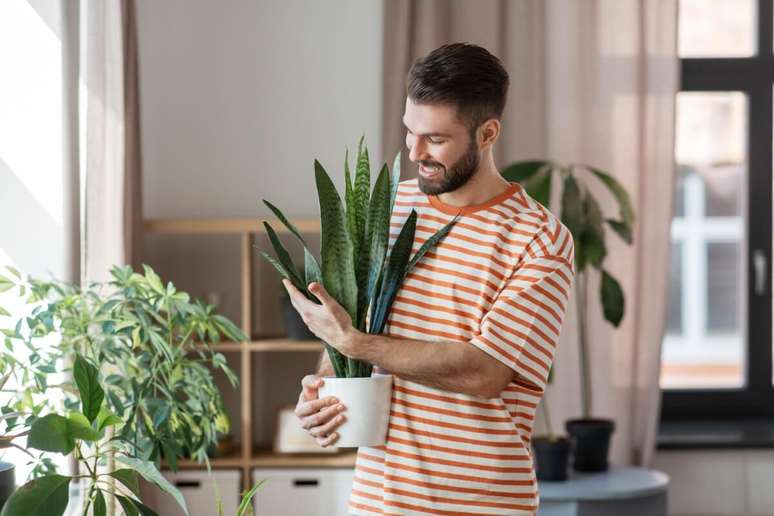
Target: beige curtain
{"type": "Point", "coordinates": [591, 82]}
{"type": "Point", "coordinates": [110, 148]}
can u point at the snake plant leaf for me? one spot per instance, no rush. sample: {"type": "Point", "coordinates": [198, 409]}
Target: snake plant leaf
{"type": "Point", "coordinates": [612, 297]}
{"type": "Point", "coordinates": [338, 268]}
{"type": "Point", "coordinates": [282, 270]}
{"type": "Point", "coordinates": [361, 200]}
{"type": "Point", "coordinates": [430, 243]}
{"type": "Point", "coordinates": [312, 271]}
{"type": "Point", "coordinates": [394, 181]}
{"type": "Point", "coordinates": [396, 268]}
{"type": "Point", "coordinates": [284, 258]}
{"type": "Point", "coordinates": [621, 196]}
{"type": "Point", "coordinates": [592, 234]}
{"type": "Point", "coordinates": [624, 231]}
{"type": "Point", "coordinates": [349, 198]}
{"type": "Point", "coordinates": [377, 233]}
{"type": "Point", "coordinates": [523, 170]}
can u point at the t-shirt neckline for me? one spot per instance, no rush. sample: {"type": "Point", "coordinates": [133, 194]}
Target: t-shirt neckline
{"type": "Point", "coordinates": [472, 208]}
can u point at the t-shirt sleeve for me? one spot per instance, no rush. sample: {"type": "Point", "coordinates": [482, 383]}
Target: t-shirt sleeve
{"type": "Point", "coordinates": [522, 327]}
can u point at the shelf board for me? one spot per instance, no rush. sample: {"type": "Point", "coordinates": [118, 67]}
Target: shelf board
{"type": "Point", "coordinates": [220, 226]}
{"type": "Point", "coordinates": [269, 459]}
{"type": "Point", "coordinates": [273, 344]}
{"type": "Point", "coordinates": [233, 460]}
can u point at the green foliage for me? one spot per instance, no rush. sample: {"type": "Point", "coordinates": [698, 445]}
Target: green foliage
{"type": "Point", "coordinates": [582, 215]}
{"type": "Point", "coordinates": [141, 388]}
{"type": "Point", "coordinates": [356, 270]}
{"type": "Point", "coordinates": [48, 495]}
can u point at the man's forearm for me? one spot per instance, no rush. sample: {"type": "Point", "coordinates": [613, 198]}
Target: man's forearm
{"type": "Point", "coordinates": [448, 365]}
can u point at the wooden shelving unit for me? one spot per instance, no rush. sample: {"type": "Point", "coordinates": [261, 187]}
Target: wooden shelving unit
{"type": "Point", "coordinates": [246, 457]}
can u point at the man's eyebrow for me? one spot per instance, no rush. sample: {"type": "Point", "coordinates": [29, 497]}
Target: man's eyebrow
{"type": "Point", "coordinates": [441, 135]}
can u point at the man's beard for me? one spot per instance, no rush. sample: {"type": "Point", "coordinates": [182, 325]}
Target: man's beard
{"type": "Point", "coordinates": [455, 176]}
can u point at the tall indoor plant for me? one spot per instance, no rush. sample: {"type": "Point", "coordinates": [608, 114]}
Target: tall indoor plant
{"type": "Point", "coordinates": [148, 352]}
{"type": "Point", "coordinates": [357, 271]}
{"type": "Point", "coordinates": [581, 213]}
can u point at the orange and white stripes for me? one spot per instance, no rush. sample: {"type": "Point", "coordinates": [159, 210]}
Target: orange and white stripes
{"type": "Point", "coordinates": [500, 280]}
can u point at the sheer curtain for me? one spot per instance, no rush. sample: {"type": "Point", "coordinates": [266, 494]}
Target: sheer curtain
{"type": "Point", "coordinates": [591, 82]}
{"type": "Point", "coordinates": [110, 145]}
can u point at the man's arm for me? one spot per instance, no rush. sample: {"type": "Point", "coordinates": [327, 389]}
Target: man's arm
{"type": "Point", "coordinates": [448, 365]}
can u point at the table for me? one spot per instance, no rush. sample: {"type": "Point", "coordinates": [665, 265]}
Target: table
{"type": "Point", "coordinates": [621, 490]}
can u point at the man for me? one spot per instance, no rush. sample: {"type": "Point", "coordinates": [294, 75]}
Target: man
{"type": "Point", "coordinates": [472, 332]}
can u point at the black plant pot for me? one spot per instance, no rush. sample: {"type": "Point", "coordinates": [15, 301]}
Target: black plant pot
{"type": "Point", "coordinates": [551, 457]}
{"type": "Point", "coordinates": [7, 482]}
{"type": "Point", "coordinates": [295, 326]}
{"type": "Point", "coordinates": [590, 443]}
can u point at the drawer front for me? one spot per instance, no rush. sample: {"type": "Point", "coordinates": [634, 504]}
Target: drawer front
{"type": "Point", "coordinates": [303, 492]}
{"type": "Point", "coordinates": [199, 492]}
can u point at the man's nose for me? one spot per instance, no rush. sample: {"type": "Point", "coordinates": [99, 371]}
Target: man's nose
{"type": "Point", "coordinates": [417, 151]}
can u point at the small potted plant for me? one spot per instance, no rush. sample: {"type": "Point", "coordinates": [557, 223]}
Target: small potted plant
{"type": "Point", "coordinates": [552, 451]}
{"type": "Point", "coordinates": [358, 273]}
{"type": "Point", "coordinates": [582, 215]}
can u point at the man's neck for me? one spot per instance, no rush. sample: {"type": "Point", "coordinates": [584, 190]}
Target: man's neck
{"type": "Point", "coordinates": [485, 184]}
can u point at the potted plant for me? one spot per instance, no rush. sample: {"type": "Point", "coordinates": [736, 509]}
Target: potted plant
{"type": "Point", "coordinates": [552, 451]}
{"type": "Point", "coordinates": [357, 271]}
{"type": "Point", "coordinates": [582, 215]}
{"type": "Point", "coordinates": [141, 387]}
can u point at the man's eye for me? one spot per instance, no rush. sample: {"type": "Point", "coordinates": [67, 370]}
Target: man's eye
{"type": "Point", "coordinates": [435, 142]}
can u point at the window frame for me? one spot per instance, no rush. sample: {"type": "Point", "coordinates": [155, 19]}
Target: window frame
{"type": "Point", "coordinates": [753, 76]}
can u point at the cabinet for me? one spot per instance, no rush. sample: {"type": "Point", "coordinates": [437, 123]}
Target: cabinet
{"type": "Point", "coordinates": [303, 492]}
{"type": "Point", "coordinates": [241, 354]}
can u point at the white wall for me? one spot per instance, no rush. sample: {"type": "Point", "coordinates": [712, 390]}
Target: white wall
{"type": "Point", "coordinates": [240, 96]}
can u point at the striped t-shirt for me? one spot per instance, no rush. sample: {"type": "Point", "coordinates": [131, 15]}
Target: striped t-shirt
{"type": "Point", "coordinates": [499, 280]}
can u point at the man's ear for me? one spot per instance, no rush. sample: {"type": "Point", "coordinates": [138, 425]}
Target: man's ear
{"type": "Point", "coordinates": [488, 132]}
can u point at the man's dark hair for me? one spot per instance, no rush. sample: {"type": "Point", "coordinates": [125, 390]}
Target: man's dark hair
{"type": "Point", "coordinates": [464, 76]}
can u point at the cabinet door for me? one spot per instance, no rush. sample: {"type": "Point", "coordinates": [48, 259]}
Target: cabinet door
{"type": "Point", "coordinates": [198, 489]}
{"type": "Point", "coordinates": [303, 492]}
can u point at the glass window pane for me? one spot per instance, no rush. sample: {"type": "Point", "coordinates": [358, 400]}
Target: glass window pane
{"type": "Point", "coordinates": [675, 299]}
{"type": "Point", "coordinates": [723, 285]}
{"type": "Point", "coordinates": [704, 346]}
{"type": "Point", "coordinates": [717, 28]}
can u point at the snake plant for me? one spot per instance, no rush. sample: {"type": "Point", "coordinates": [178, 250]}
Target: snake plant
{"type": "Point", "coordinates": [355, 267]}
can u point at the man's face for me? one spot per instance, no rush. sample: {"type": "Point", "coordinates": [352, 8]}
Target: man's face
{"type": "Point", "coordinates": [441, 146]}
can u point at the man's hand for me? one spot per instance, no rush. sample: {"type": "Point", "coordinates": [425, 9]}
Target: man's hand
{"type": "Point", "coordinates": [329, 321]}
{"type": "Point", "coordinates": [319, 417]}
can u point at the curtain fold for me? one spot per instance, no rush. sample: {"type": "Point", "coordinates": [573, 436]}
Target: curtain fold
{"type": "Point", "coordinates": [591, 82]}
{"type": "Point", "coordinates": [110, 144]}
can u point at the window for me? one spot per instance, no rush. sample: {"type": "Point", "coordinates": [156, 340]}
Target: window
{"type": "Point", "coordinates": [717, 351]}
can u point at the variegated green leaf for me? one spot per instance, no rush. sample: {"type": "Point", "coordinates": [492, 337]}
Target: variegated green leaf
{"type": "Point", "coordinates": [393, 276]}
{"type": "Point", "coordinates": [394, 181]}
{"type": "Point", "coordinates": [312, 271]}
{"type": "Point", "coordinates": [284, 257]}
{"type": "Point", "coordinates": [430, 243]}
{"type": "Point", "coordinates": [338, 268]}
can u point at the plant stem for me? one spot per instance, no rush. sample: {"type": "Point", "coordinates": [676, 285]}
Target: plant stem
{"type": "Point", "coordinates": [583, 350]}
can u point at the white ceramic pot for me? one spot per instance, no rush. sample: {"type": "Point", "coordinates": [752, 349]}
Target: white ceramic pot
{"type": "Point", "coordinates": [367, 403]}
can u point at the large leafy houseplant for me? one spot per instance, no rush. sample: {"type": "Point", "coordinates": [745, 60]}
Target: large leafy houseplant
{"type": "Point", "coordinates": [149, 351]}
{"type": "Point", "coordinates": [355, 267]}
{"type": "Point", "coordinates": [581, 213]}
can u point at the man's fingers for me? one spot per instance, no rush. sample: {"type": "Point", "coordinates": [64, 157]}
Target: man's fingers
{"type": "Point", "coordinates": [310, 384]}
{"type": "Point", "coordinates": [327, 428]}
{"type": "Point", "coordinates": [320, 293]}
{"type": "Point", "coordinates": [307, 408]}
{"type": "Point", "coordinates": [321, 417]}
{"type": "Point", "coordinates": [328, 441]}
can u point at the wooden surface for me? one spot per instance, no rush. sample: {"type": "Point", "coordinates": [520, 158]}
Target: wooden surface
{"type": "Point", "coordinates": [225, 226]}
